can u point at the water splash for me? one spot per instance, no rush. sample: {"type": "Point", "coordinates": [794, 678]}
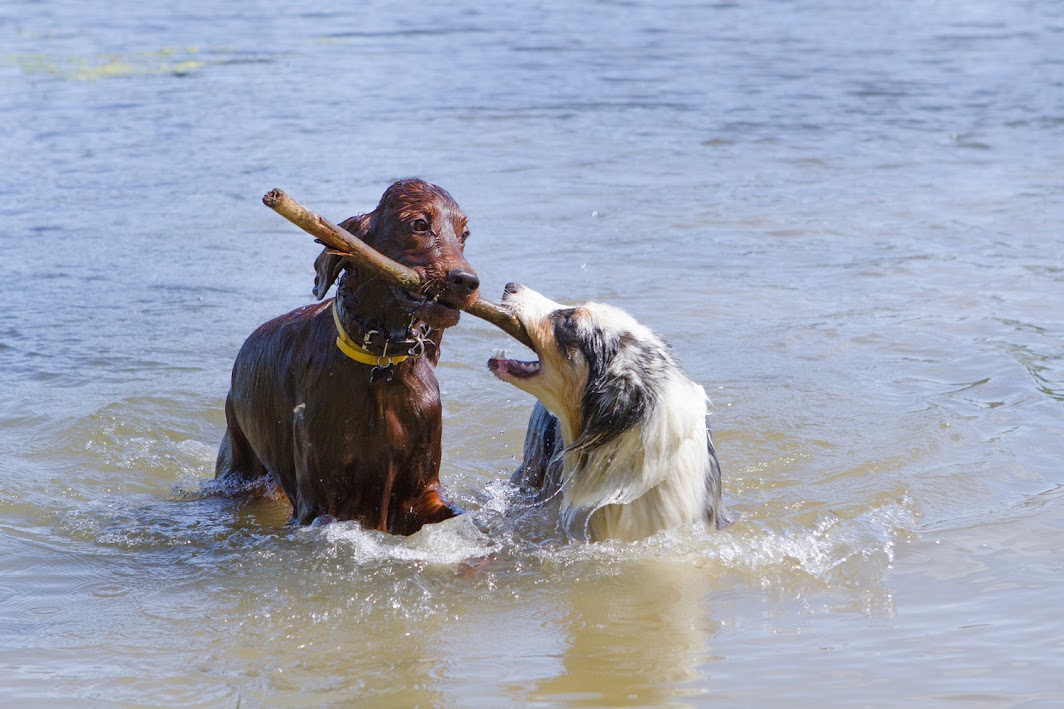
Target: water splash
{"type": "Point", "coordinates": [447, 543]}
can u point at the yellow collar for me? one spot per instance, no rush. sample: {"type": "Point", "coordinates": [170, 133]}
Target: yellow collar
{"type": "Point", "coordinates": [357, 353]}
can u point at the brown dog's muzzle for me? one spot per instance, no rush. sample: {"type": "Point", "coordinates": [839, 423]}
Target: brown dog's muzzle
{"type": "Point", "coordinates": [447, 291]}
{"type": "Point", "coordinates": [462, 284]}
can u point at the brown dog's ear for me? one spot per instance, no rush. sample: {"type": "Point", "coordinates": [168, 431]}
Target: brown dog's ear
{"type": "Point", "coordinates": [327, 269]}
{"type": "Point", "coordinates": [327, 266]}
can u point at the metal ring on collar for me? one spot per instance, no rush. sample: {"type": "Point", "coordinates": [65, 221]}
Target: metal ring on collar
{"type": "Point", "coordinates": [418, 349]}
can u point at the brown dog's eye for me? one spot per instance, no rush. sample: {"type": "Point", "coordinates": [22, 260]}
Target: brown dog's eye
{"type": "Point", "coordinates": [465, 235]}
{"type": "Point", "coordinates": [419, 225]}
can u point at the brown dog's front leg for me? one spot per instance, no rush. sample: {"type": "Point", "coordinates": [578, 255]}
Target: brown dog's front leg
{"type": "Point", "coordinates": [304, 508]}
{"type": "Point", "coordinates": [430, 507]}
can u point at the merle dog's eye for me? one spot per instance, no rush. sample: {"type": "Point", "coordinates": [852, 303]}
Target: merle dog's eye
{"type": "Point", "coordinates": [565, 331]}
{"type": "Point", "coordinates": [565, 321]}
{"type": "Point", "coordinates": [419, 225]}
{"type": "Point", "coordinates": [465, 235]}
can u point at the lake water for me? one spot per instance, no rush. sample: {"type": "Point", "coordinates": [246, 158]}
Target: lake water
{"type": "Point", "coordinates": [848, 219]}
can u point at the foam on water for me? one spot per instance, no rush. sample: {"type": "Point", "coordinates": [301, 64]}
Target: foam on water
{"type": "Point", "coordinates": [503, 543]}
{"type": "Point", "coordinates": [848, 555]}
{"type": "Point", "coordinates": [449, 542]}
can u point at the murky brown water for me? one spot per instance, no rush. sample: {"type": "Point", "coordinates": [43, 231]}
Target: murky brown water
{"type": "Point", "coordinates": [846, 218]}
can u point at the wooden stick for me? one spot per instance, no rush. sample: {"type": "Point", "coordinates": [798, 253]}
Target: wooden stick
{"type": "Point", "coordinates": [396, 274]}
{"type": "Point", "coordinates": [340, 239]}
{"type": "Point", "coordinates": [502, 319]}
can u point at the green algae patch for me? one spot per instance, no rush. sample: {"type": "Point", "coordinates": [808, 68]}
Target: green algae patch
{"type": "Point", "coordinates": [162, 62]}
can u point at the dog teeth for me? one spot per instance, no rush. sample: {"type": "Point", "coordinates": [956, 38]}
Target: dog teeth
{"type": "Point", "coordinates": [500, 354]}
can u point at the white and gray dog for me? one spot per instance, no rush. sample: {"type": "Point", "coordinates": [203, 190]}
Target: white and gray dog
{"type": "Point", "coordinates": [634, 455]}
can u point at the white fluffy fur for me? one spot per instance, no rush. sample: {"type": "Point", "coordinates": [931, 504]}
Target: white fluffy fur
{"type": "Point", "coordinates": [651, 478]}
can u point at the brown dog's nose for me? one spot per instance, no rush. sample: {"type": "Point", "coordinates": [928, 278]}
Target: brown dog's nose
{"type": "Point", "coordinates": [463, 281]}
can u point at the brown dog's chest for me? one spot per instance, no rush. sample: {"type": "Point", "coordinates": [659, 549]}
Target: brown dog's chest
{"type": "Point", "coordinates": [388, 418]}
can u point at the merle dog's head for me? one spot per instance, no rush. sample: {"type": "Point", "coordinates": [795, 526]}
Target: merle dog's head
{"type": "Point", "coordinates": [599, 370]}
{"type": "Point", "coordinates": [420, 226]}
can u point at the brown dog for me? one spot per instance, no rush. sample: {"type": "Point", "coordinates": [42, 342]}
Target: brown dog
{"type": "Point", "coordinates": [338, 402]}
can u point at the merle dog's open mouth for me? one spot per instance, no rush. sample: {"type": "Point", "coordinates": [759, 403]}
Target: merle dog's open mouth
{"type": "Point", "coordinates": [500, 367]}
{"type": "Point", "coordinates": [504, 368]}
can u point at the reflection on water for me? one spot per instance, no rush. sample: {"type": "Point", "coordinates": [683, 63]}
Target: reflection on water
{"type": "Point", "coordinates": [637, 637]}
{"type": "Point", "coordinates": [844, 217]}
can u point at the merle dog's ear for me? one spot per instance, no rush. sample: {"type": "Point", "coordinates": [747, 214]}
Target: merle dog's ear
{"type": "Point", "coordinates": [619, 392]}
{"type": "Point", "coordinates": [328, 266]}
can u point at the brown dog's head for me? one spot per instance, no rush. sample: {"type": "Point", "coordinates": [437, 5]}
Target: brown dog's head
{"type": "Point", "coordinates": [420, 226]}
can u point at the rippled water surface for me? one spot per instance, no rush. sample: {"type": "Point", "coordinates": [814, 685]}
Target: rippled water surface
{"type": "Point", "coordinates": [846, 217]}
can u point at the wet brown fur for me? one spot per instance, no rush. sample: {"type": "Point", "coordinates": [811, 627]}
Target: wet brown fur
{"type": "Point", "coordinates": [307, 416]}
